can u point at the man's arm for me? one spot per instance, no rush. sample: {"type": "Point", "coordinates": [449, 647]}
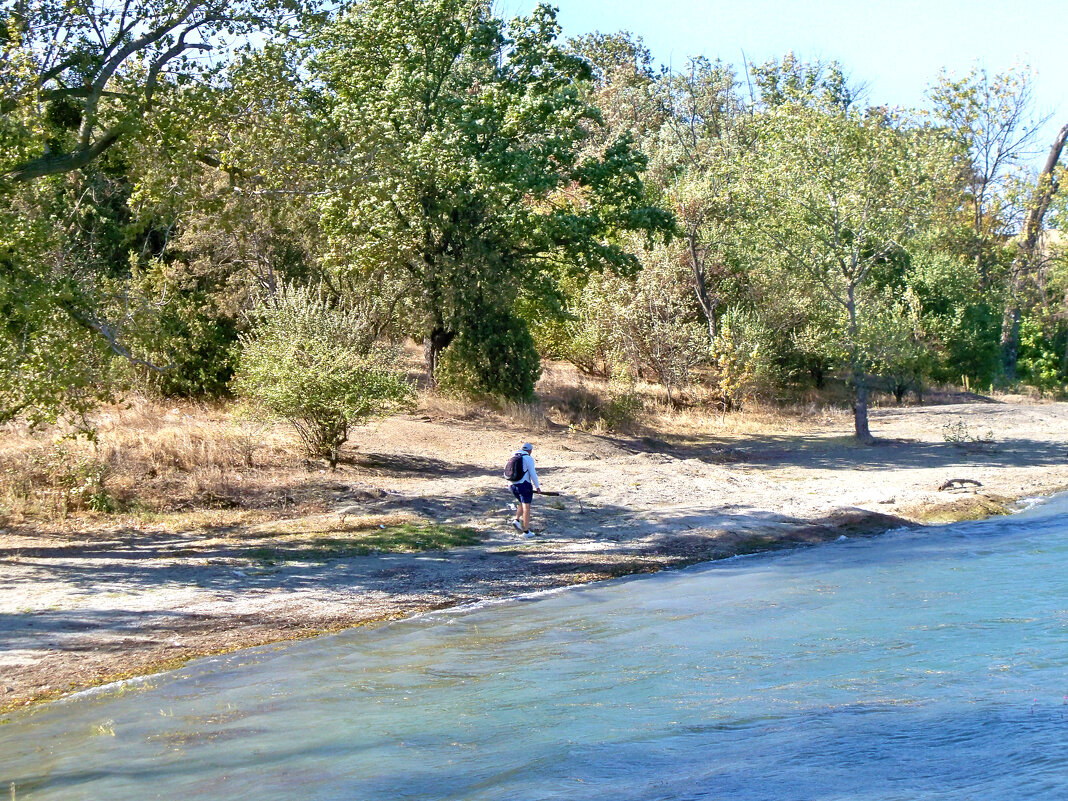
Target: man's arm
{"type": "Point", "coordinates": [533, 473]}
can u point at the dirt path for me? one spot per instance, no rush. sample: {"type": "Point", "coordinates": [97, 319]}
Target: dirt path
{"type": "Point", "coordinates": [76, 610]}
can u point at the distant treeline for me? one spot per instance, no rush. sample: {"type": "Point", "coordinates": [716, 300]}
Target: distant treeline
{"type": "Point", "coordinates": [171, 172]}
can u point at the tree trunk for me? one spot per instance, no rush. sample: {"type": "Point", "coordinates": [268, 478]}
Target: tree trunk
{"type": "Point", "coordinates": [433, 345]}
{"type": "Point", "coordinates": [1010, 337]}
{"type": "Point", "coordinates": [860, 381]}
{"type": "Point", "coordinates": [1024, 261]}
{"type": "Point", "coordinates": [700, 287]}
{"type": "Point", "coordinates": [815, 370]}
{"type": "Point", "coordinates": [860, 407]}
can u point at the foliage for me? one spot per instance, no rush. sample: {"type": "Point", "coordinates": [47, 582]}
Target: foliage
{"type": "Point", "coordinates": [655, 325]}
{"type": "Point", "coordinates": [839, 195]}
{"type": "Point", "coordinates": [435, 171]}
{"type": "Point", "coordinates": [988, 117]}
{"type": "Point", "coordinates": [638, 326]}
{"type": "Point", "coordinates": [960, 320]}
{"type": "Point", "coordinates": [98, 70]}
{"type": "Point", "coordinates": [591, 343]}
{"type": "Point", "coordinates": [699, 155]}
{"type": "Point", "coordinates": [958, 433]}
{"type": "Point", "coordinates": [480, 188]}
{"type": "Point", "coordinates": [742, 355]}
{"type": "Point", "coordinates": [494, 355]}
{"type": "Point", "coordinates": [1043, 355]}
{"type": "Point", "coordinates": [314, 363]}
{"type": "Point", "coordinates": [789, 81]}
{"type": "Point", "coordinates": [48, 367]}
{"type": "Point", "coordinates": [894, 338]}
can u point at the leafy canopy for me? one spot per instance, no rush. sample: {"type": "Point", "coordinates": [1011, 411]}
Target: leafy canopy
{"type": "Point", "coordinates": [463, 138]}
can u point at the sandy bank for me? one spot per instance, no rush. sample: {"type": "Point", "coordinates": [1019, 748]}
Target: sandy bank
{"type": "Point", "coordinates": [80, 609]}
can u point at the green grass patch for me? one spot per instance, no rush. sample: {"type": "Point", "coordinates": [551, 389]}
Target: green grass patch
{"type": "Point", "coordinates": [401, 538]}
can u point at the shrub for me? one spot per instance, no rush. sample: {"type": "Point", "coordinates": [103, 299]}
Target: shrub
{"type": "Point", "coordinates": [201, 352]}
{"type": "Point", "coordinates": [314, 363]}
{"type": "Point", "coordinates": [1041, 360]}
{"type": "Point", "coordinates": [70, 476]}
{"type": "Point", "coordinates": [742, 354]}
{"type": "Point", "coordinates": [494, 355]}
{"type": "Point", "coordinates": [639, 326]}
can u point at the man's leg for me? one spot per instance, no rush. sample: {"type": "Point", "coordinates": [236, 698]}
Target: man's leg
{"type": "Point", "coordinates": [525, 509]}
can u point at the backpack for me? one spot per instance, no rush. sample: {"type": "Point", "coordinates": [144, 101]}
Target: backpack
{"type": "Point", "coordinates": [513, 470]}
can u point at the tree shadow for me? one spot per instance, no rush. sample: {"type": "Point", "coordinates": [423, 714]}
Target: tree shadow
{"type": "Point", "coordinates": [401, 465]}
{"type": "Point", "coordinates": [801, 450]}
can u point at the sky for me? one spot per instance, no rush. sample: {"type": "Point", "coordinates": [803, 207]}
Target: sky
{"type": "Point", "coordinates": [893, 47]}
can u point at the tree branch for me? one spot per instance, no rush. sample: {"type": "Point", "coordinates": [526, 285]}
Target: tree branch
{"type": "Point", "coordinates": [52, 164]}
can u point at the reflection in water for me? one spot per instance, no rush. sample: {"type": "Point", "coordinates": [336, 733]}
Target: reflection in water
{"type": "Point", "coordinates": [920, 664]}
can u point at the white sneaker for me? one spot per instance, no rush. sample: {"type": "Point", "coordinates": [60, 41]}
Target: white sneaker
{"type": "Point", "coordinates": [518, 526]}
{"type": "Point", "coordinates": [529, 535]}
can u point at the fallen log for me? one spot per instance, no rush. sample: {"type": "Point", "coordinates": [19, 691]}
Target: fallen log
{"type": "Point", "coordinates": [958, 483]}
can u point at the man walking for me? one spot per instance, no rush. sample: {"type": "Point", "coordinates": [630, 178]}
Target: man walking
{"type": "Point", "coordinates": [523, 487]}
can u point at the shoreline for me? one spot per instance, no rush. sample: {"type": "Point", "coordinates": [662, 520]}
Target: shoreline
{"type": "Point", "coordinates": [99, 607]}
{"type": "Point", "coordinates": [818, 533]}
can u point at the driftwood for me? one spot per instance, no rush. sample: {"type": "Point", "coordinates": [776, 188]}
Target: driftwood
{"type": "Point", "coordinates": [958, 483]}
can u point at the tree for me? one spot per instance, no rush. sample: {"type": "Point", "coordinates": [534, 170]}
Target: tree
{"type": "Point", "coordinates": [98, 67]}
{"type": "Point", "coordinates": [835, 194]}
{"type": "Point", "coordinates": [697, 155]}
{"type": "Point", "coordinates": [84, 89]}
{"type": "Point", "coordinates": [990, 117]}
{"type": "Point", "coordinates": [465, 182]}
{"type": "Point", "coordinates": [790, 81]}
{"type": "Point", "coordinates": [1025, 260]}
{"type": "Point", "coordinates": [741, 355]}
{"type": "Point", "coordinates": [622, 87]}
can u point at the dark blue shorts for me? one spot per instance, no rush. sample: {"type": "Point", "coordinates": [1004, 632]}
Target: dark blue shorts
{"type": "Point", "coordinates": [523, 491]}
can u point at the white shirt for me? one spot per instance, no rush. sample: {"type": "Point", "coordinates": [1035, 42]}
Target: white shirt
{"type": "Point", "coordinates": [529, 473]}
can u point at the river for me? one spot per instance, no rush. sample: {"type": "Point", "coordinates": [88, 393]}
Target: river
{"type": "Point", "coordinates": [922, 664]}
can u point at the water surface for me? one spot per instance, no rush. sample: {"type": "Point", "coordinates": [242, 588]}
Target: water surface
{"type": "Point", "coordinates": [919, 665]}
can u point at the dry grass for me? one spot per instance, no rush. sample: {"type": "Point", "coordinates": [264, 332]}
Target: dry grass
{"type": "Point", "coordinates": [755, 420]}
{"type": "Point", "coordinates": [643, 408]}
{"type": "Point", "coordinates": [640, 408]}
{"type": "Point", "coordinates": [173, 465]}
{"type": "Point", "coordinates": [153, 460]}
{"type": "Point", "coordinates": [594, 404]}
{"type": "Point", "coordinates": [528, 416]}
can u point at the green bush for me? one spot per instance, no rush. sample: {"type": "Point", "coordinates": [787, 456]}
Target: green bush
{"type": "Point", "coordinates": [1041, 359]}
{"type": "Point", "coordinates": [494, 355]}
{"type": "Point", "coordinates": [742, 354]}
{"type": "Point", "coordinates": [200, 351]}
{"type": "Point", "coordinates": [314, 363]}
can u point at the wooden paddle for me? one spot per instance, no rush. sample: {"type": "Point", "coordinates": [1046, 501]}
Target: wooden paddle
{"type": "Point", "coordinates": [547, 492]}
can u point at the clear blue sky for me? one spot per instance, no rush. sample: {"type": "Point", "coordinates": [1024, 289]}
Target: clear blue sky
{"type": "Point", "coordinates": [894, 47]}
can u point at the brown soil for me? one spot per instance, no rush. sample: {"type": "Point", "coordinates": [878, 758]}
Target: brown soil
{"type": "Point", "coordinates": [108, 598]}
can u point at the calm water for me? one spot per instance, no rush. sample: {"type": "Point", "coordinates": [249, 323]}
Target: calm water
{"type": "Point", "coordinates": [914, 666]}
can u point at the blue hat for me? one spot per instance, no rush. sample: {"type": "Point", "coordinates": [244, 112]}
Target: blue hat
{"type": "Point", "coordinates": [528, 447]}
